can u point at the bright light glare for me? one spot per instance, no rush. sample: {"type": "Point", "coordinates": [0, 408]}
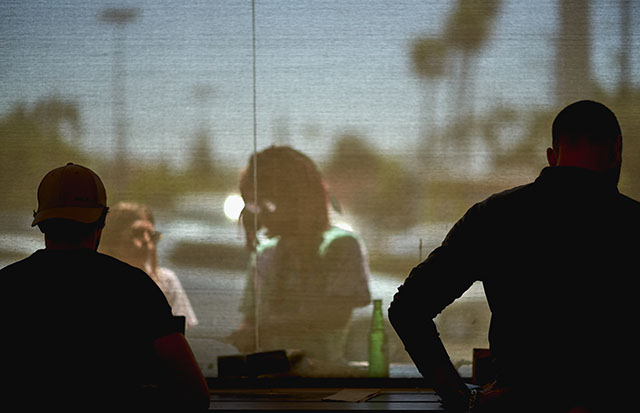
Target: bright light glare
{"type": "Point", "coordinates": [343, 225]}
{"type": "Point", "coordinates": [233, 205]}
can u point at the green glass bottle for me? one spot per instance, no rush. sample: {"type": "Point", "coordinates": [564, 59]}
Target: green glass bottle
{"type": "Point", "coordinates": [378, 346]}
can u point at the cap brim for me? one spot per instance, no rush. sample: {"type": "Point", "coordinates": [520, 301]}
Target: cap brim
{"type": "Point", "coordinates": [78, 214]}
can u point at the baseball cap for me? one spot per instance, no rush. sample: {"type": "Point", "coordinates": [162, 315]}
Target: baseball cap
{"type": "Point", "coordinates": [70, 192]}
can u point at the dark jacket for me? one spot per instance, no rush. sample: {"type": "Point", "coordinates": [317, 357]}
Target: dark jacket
{"type": "Point", "coordinates": [557, 259]}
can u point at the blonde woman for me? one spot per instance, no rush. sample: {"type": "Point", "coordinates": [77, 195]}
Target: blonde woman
{"type": "Point", "coordinates": [131, 237]}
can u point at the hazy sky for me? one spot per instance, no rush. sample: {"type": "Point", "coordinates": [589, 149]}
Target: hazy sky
{"type": "Point", "coordinates": [323, 67]}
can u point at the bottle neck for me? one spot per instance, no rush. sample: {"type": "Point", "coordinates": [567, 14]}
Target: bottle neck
{"type": "Point", "coordinates": [377, 319]}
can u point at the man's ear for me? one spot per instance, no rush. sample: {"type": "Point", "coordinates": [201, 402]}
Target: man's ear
{"type": "Point", "coordinates": [552, 157]}
{"type": "Point", "coordinates": [95, 238]}
{"type": "Point", "coordinates": [617, 151]}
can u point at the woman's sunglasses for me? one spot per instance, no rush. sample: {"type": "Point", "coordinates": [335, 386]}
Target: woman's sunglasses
{"type": "Point", "coordinates": [140, 232]}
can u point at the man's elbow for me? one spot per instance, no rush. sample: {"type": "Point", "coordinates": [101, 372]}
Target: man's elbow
{"type": "Point", "coordinates": [193, 398]}
{"type": "Point", "coordinates": [197, 397]}
{"type": "Point", "coordinates": [397, 313]}
{"type": "Point", "coordinates": [406, 314]}
{"type": "Point", "coordinates": [196, 402]}
{"type": "Point", "coordinates": [183, 380]}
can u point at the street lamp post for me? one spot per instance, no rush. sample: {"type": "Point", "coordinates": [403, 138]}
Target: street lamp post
{"type": "Point", "coordinates": [119, 18]}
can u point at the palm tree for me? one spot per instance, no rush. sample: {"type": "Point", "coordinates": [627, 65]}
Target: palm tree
{"type": "Point", "coordinates": [466, 32]}
{"type": "Point", "coordinates": [428, 58]}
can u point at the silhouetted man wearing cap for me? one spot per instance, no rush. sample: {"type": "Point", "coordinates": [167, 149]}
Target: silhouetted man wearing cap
{"type": "Point", "coordinates": [82, 330]}
{"type": "Point", "coordinates": [558, 261]}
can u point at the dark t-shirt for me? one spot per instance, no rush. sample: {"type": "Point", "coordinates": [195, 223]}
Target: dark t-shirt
{"type": "Point", "coordinates": [79, 324]}
{"type": "Point", "coordinates": [308, 305]}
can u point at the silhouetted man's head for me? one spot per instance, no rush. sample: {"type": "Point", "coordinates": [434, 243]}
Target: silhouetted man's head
{"type": "Point", "coordinates": [586, 120]}
{"type": "Point", "coordinates": [586, 134]}
{"type": "Point", "coordinates": [72, 204]}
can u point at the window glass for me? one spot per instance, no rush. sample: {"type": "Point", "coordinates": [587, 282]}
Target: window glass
{"type": "Point", "coordinates": [406, 112]}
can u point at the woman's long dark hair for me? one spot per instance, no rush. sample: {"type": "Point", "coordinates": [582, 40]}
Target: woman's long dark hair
{"type": "Point", "coordinates": [291, 190]}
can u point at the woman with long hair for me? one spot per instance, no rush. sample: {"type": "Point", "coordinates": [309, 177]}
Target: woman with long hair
{"type": "Point", "coordinates": [307, 276]}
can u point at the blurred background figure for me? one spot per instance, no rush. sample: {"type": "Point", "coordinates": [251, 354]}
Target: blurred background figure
{"type": "Point", "coordinates": [307, 276]}
{"type": "Point", "coordinates": [132, 238]}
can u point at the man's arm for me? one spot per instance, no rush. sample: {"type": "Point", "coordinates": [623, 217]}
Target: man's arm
{"type": "Point", "coordinates": [183, 377]}
{"type": "Point", "coordinates": [409, 316]}
{"type": "Point", "coordinates": [431, 286]}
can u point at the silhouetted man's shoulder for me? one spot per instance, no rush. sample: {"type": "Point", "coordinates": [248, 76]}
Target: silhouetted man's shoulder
{"type": "Point", "coordinates": [503, 200]}
{"type": "Point", "coordinates": [630, 203]}
{"type": "Point", "coordinates": [71, 262]}
{"type": "Point", "coordinates": [511, 193]}
{"type": "Point", "coordinates": [109, 261]}
{"type": "Point", "coordinates": [75, 279]}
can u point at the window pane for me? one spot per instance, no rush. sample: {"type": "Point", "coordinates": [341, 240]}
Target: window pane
{"type": "Point", "coordinates": [410, 111]}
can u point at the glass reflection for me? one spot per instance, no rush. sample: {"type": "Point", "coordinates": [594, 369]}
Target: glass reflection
{"type": "Point", "coordinates": [131, 237]}
{"type": "Point", "coordinates": [307, 276]}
